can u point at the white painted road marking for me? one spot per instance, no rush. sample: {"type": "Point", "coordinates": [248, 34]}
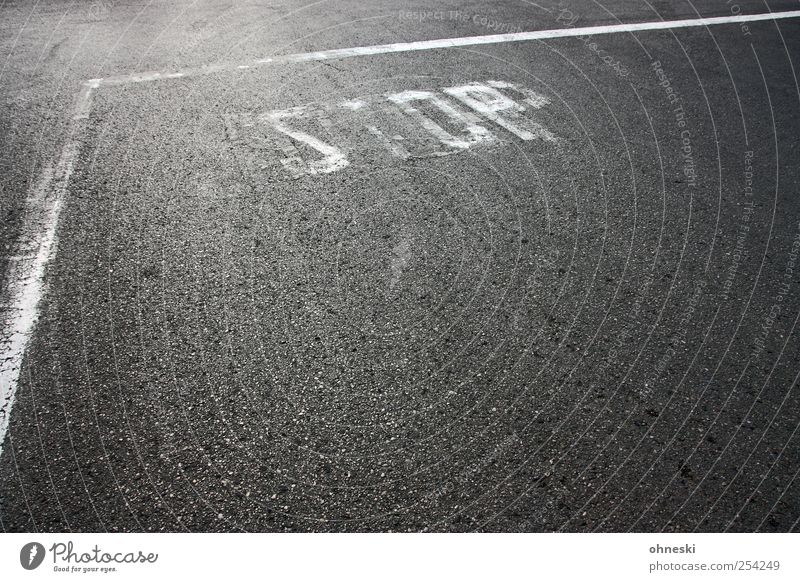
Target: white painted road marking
{"type": "Point", "coordinates": [407, 112]}
{"type": "Point", "coordinates": [333, 159]}
{"type": "Point", "coordinates": [37, 246]}
{"type": "Point", "coordinates": [443, 43]}
{"type": "Point", "coordinates": [473, 132]}
{"type": "Point", "coordinates": [501, 109]}
{"type": "Point", "coordinates": [26, 275]}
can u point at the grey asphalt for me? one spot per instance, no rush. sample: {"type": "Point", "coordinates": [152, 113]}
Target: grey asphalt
{"type": "Point", "coordinates": [591, 333]}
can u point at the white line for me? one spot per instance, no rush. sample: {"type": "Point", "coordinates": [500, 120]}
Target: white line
{"type": "Point", "coordinates": [36, 248]}
{"type": "Point", "coordinates": [423, 45]}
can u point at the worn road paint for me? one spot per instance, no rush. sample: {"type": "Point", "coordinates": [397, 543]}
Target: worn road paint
{"type": "Point", "coordinates": [489, 102]}
{"type": "Point", "coordinates": [444, 43]}
{"type": "Point", "coordinates": [393, 146]}
{"type": "Point", "coordinates": [474, 133]}
{"type": "Point", "coordinates": [35, 249]}
{"type": "Point", "coordinates": [332, 157]}
{"type": "Point", "coordinates": [466, 109]}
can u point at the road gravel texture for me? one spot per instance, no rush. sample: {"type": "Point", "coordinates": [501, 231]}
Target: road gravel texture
{"type": "Point", "coordinates": [529, 286]}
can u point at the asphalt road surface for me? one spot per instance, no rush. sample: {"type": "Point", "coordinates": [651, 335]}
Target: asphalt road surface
{"type": "Point", "coordinates": [537, 284]}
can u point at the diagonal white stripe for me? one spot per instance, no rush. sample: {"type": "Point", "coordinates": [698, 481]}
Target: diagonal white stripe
{"type": "Point", "coordinates": [442, 43]}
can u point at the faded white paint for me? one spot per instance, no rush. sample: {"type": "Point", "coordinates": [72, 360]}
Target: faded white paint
{"type": "Point", "coordinates": [332, 157]}
{"type": "Point", "coordinates": [489, 102]}
{"type": "Point", "coordinates": [473, 133]}
{"type": "Point", "coordinates": [434, 125]}
{"type": "Point", "coordinates": [353, 105]}
{"type": "Point", "coordinates": [445, 43]}
{"type": "Point", "coordinates": [401, 255]}
{"type": "Point", "coordinates": [392, 145]}
{"type": "Point", "coordinates": [36, 247]}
